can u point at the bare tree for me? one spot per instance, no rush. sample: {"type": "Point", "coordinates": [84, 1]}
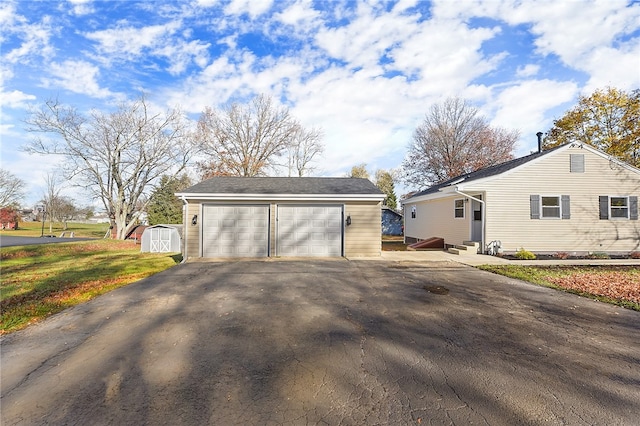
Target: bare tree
{"type": "Point", "coordinates": [51, 199]}
{"type": "Point", "coordinates": [452, 140]}
{"type": "Point", "coordinates": [117, 155]}
{"type": "Point", "coordinates": [66, 211]}
{"type": "Point", "coordinates": [245, 140]}
{"type": "Point", "coordinates": [11, 189]}
{"type": "Point", "coordinates": [305, 146]}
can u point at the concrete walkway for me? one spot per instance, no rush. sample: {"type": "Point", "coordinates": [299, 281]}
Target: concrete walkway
{"type": "Point", "coordinates": [480, 259]}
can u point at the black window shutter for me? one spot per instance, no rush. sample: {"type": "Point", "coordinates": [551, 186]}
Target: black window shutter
{"type": "Point", "coordinates": [604, 207]}
{"type": "Point", "coordinates": [534, 203]}
{"type": "Point", "coordinates": [566, 207]}
{"type": "Point", "coordinates": [633, 207]}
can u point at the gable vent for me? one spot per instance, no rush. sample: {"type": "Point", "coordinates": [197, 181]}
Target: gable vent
{"type": "Point", "coordinates": [576, 163]}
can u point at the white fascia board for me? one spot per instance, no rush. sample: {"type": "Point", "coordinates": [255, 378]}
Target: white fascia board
{"type": "Point", "coordinates": [607, 156]}
{"type": "Point", "coordinates": [445, 192]}
{"type": "Point", "coordinates": [281, 197]}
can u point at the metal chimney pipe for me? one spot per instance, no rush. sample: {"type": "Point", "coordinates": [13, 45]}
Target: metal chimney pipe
{"type": "Point", "coordinates": [539, 135]}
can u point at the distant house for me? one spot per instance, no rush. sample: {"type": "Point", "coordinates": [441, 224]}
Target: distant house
{"type": "Point", "coordinates": [391, 222]}
{"type": "Point", "coordinates": [573, 198]}
{"type": "Point", "coordinates": [9, 218]}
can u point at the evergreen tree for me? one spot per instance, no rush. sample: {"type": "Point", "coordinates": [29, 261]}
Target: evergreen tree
{"type": "Point", "coordinates": [384, 181]}
{"type": "Point", "coordinates": [164, 206]}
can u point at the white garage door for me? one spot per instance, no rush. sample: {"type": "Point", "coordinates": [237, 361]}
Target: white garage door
{"type": "Point", "coordinates": [235, 231]}
{"type": "Point", "coordinates": [309, 230]}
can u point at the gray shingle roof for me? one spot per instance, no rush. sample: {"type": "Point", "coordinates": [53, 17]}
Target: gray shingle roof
{"type": "Point", "coordinates": [283, 185]}
{"type": "Point", "coordinates": [486, 172]}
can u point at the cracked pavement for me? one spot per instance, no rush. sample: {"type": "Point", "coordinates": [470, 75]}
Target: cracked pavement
{"type": "Point", "coordinates": [335, 342]}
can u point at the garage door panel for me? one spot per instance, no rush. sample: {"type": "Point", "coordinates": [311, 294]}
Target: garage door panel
{"type": "Point", "coordinates": [235, 231]}
{"type": "Point", "coordinates": [309, 230]}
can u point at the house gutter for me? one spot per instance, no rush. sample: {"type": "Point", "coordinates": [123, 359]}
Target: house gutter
{"type": "Point", "coordinates": [482, 212]}
{"type": "Point", "coordinates": [185, 231]}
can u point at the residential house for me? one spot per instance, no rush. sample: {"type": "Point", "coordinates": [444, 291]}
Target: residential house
{"type": "Point", "coordinates": [573, 198]}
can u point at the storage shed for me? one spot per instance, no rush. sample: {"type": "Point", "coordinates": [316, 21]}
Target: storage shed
{"type": "Point", "coordinates": [392, 222]}
{"type": "Point", "coordinates": [282, 216]}
{"type": "Point", "coordinates": [161, 239]}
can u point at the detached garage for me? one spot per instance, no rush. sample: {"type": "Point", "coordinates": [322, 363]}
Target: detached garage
{"type": "Point", "coordinates": [278, 216]}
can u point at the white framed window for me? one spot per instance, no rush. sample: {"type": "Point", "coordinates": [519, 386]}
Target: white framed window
{"type": "Point", "coordinates": [619, 207]}
{"type": "Point", "coordinates": [458, 208]}
{"type": "Point", "coordinates": [550, 206]}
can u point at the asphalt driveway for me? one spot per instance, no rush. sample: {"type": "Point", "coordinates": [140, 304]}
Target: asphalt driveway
{"type": "Point", "coordinates": [11, 240]}
{"type": "Point", "coordinates": [326, 342]}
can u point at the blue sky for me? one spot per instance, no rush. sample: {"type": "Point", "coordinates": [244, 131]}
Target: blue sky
{"type": "Point", "coordinates": [365, 72]}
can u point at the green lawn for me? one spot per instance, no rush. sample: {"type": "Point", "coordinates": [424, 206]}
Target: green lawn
{"type": "Point", "coordinates": [35, 229]}
{"type": "Point", "coordinates": [40, 280]}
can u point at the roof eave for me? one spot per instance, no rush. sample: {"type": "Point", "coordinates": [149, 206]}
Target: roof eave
{"type": "Point", "coordinates": [280, 197]}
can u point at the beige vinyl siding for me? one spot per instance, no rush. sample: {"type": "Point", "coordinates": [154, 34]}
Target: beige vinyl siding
{"type": "Point", "coordinates": [191, 234]}
{"type": "Point", "coordinates": [435, 218]}
{"type": "Point", "coordinates": [364, 236]}
{"type": "Point", "coordinates": [508, 210]}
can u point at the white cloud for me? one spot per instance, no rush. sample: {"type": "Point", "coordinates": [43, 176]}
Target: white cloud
{"type": "Point", "coordinates": [528, 70]}
{"type": "Point", "coordinates": [15, 99]}
{"type": "Point", "coordinates": [253, 8]}
{"type": "Point", "coordinates": [446, 55]}
{"type": "Point", "coordinates": [526, 105]}
{"type": "Point", "coordinates": [130, 42]}
{"type": "Point", "coordinates": [34, 38]}
{"type": "Point", "coordinates": [581, 33]}
{"type": "Point", "coordinates": [206, 3]}
{"type": "Point", "coordinates": [82, 7]}
{"type": "Point", "coordinates": [299, 13]}
{"type": "Point", "coordinates": [78, 77]}
{"type": "Point", "coordinates": [367, 37]}
{"type": "Point", "coordinates": [166, 41]}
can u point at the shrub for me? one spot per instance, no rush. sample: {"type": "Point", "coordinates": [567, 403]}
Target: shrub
{"type": "Point", "coordinates": [561, 255]}
{"type": "Point", "coordinates": [634, 255]}
{"type": "Point", "coordinates": [523, 254]}
{"type": "Point", "coordinates": [598, 255]}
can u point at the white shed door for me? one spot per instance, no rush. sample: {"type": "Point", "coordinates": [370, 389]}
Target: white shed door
{"type": "Point", "coordinates": [235, 231]}
{"type": "Point", "coordinates": [309, 230]}
{"type": "Point", "coordinates": [160, 240]}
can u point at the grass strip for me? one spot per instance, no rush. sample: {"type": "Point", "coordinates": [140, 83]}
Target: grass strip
{"type": "Point", "coordinates": [41, 280]}
{"type": "Point", "coordinates": [609, 284]}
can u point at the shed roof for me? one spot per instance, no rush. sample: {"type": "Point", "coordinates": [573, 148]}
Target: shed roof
{"type": "Point", "coordinates": [326, 186]}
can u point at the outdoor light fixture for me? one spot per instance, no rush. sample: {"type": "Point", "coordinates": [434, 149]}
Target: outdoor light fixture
{"type": "Point", "coordinates": [348, 220]}
{"type": "Point", "coordinates": [194, 219]}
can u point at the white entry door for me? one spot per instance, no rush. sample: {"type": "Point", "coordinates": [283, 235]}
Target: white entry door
{"type": "Point", "coordinates": [235, 230]}
{"type": "Point", "coordinates": [476, 219]}
{"type": "Point", "coordinates": [309, 230]}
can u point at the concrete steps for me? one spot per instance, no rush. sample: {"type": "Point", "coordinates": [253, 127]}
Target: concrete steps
{"type": "Point", "coordinates": [468, 248]}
